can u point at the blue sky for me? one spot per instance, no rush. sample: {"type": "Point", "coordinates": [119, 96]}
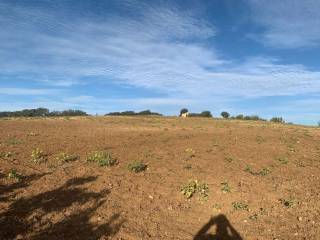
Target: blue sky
{"type": "Point", "coordinates": [243, 56]}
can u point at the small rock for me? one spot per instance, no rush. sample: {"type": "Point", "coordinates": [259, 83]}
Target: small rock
{"type": "Point", "coordinates": [300, 219]}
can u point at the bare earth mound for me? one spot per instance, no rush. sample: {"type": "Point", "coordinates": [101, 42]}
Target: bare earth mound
{"type": "Point", "coordinates": [248, 180]}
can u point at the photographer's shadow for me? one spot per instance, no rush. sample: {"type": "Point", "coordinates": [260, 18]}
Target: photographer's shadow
{"type": "Point", "coordinates": [224, 230]}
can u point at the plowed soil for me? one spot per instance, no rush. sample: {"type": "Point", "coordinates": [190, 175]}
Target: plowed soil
{"type": "Point", "coordinates": [271, 176]}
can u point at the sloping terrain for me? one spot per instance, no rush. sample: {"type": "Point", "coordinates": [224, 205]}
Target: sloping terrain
{"type": "Point", "coordinates": [252, 180]}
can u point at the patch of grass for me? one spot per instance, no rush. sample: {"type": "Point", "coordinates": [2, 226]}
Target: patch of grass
{"type": "Point", "coordinates": [262, 172]}
{"type": "Point", "coordinates": [13, 141]}
{"type": "Point", "coordinates": [193, 187]}
{"type": "Point", "coordinates": [229, 159]}
{"type": "Point", "coordinates": [37, 155]}
{"type": "Point", "coordinates": [254, 217]}
{"type": "Point", "coordinates": [190, 152]}
{"type": "Point", "coordinates": [287, 202]}
{"type": "Point", "coordinates": [240, 206]}
{"type": "Point", "coordinates": [260, 139]}
{"type": "Point", "coordinates": [13, 174]}
{"type": "Point", "coordinates": [225, 188]}
{"type": "Point", "coordinates": [137, 166]}
{"type": "Point", "coordinates": [102, 158]}
{"type": "Point", "coordinates": [283, 160]}
{"type": "Point", "coordinates": [6, 154]}
{"type": "Point", "coordinates": [64, 157]}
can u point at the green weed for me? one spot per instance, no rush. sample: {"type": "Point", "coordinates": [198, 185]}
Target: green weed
{"type": "Point", "coordinates": [37, 155]}
{"type": "Point", "coordinates": [193, 187]}
{"type": "Point", "coordinates": [240, 206]}
{"type": "Point", "coordinates": [137, 166]}
{"type": "Point", "coordinates": [13, 174]}
{"type": "Point", "coordinates": [225, 187]}
{"type": "Point", "coordinates": [64, 157]}
{"type": "Point", "coordinates": [102, 158]}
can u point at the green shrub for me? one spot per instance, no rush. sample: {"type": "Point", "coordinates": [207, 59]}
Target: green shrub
{"type": "Point", "coordinates": [64, 157]}
{"type": "Point", "coordinates": [102, 158]}
{"type": "Point", "coordinates": [137, 166]}
{"type": "Point", "coordinates": [193, 187]}
{"type": "Point", "coordinates": [225, 187]}
{"type": "Point", "coordinates": [225, 114]}
{"type": "Point", "coordinates": [37, 155]}
{"type": "Point", "coordinates": [277, 120]}
{"type": "Point", "coordinates": [205, 114]}
{"type": "Point", "coordinates": [240, 116]}
{"type": "Point", "coordinates": [240, 206]}
{"type": "Point", "coordinates": [13, 174]}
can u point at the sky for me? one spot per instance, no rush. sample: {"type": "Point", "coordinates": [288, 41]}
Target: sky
{"type": "Point", "coordinates": [241, 56]}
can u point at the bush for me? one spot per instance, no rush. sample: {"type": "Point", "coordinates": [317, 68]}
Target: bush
{"type": "Point", "coordinates": [225, 114]}
{"type": "Point", "coordinates": [132, 113]}
{"type": "Point", "coordinates": [38, 156]}
{"type": "Point", "coordinates": [42, 112]}
{"type": "Point", "coordinates": [277, 120]}
{"type": "Point", "coordinates": [240, 116]}
{"type": "Point", "coordinates": [102, 158]}
{"type": "Point", "coordinates": [206, 114]}
{"type": "Point", "coordinates": [137, 166]}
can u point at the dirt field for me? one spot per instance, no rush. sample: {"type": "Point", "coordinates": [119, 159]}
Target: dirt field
{"type": "Point", "coordinates": [263, 179]}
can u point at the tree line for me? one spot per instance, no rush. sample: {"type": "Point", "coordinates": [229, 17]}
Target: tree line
{"type": "Point", "coordinates": [42, 112]}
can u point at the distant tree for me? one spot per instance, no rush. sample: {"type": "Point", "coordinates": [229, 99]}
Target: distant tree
{"type": "Point", "coordinates": [240, 116]}
{"type": "Point", "coordinates": [183, 110]}
{"type": "Point", "coordinates": [225, 114]}
{"type": "Point", "coordinates": [205, 114]}
{"type": "Point", "coordinates": [277, 120]}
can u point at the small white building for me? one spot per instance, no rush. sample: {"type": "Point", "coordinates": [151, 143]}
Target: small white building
{"type": "Point", "coordinates": [186, 114]}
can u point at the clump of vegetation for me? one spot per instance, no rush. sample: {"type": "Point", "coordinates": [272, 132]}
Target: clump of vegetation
{"type": "Point", "coordinates": [13, 174]}
{"type": "Point", "coordinates": [42, 112]}
{"type": "Point", "coordinates": [229, 159]}
{"type": "Point", "coordinates": [277, 120]}
{"type": "Point", "coordinates": [283, 160]}
{"type": "Point", "coordinates": [193, 187]}
{"type": "Point", "coordinates": [191, 152]}
{"type": "Point", "coordinates": [132, 113]}
{"type": "Point", "coordinates": [260, 139]}
{"type": "Point", "coordinates": [287, 202]}
{"type": "Point", "coordinates": [64, 157]}
{"type": "Point", "coordinates": [240, 206]}
{"type": "Point", "coordinates": [225, 114]}
{"type": "Point", "coordinates": [102, 158]}
{"type": "Point", "coordinates": [37, 155]}
{"type": "Point", "coordinates": [202, 114]}
{"type": "Point", "coordinates": [13, 141]}
{"type": "Point", "coordinates": [6, 154]}
{"type": "Point", "coordinates": [262, 172]}
{"type": "Point", "coordinates": [225, 188]}
{"type": "Point", "coordinates": [137, 166]}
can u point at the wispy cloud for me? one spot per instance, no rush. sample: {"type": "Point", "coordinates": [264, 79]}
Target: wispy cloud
{"type": "Point", "coordinates": [27, 91]}
{"type": "Point", "coordinates": [288, 23]}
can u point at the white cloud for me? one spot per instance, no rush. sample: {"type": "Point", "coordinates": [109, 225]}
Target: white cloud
{"type": "Point", "coordinates": [288, 23]}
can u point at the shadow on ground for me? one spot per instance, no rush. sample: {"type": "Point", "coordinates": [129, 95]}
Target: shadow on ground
{"type": "Point", "coordinates": [224, 230]}
{"type": "Point", "coordinates": [7, 190]}
{"type": "Point", "coordinates": [36, 217]}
